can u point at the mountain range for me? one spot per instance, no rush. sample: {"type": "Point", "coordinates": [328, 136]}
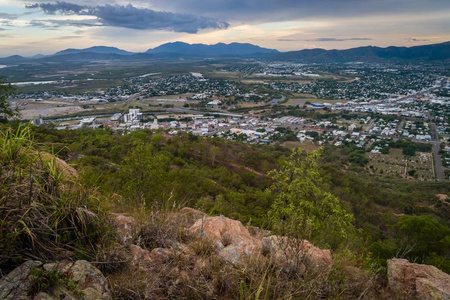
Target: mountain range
{"type": "Point", "coordinates": [177, 50]}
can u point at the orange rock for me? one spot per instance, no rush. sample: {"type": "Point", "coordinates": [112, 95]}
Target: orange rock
{"type": "Point", "coordinates": [291, 252]}
{"type": "Point", "coordinates": [422, 281]}
{"type": "Point", "coordinates": [125, 226]}
{"type": "Point", "coordinates": [230, 237]}
{"type": "Point", "coordinates": [145, 258]}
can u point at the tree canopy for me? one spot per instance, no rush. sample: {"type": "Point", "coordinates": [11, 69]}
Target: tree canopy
{"type": "Point", "coordinates": [6, 90]}
{"type": "Point", "coordinates": [303, 208]}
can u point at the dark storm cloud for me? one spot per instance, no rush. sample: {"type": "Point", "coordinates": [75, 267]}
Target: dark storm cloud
{"type": "Point", "coordinates": [337, 39]}
{"type": "Point", "coordinates": [132, 17]}
{"type": "Point", "coordinates": [279, 10]}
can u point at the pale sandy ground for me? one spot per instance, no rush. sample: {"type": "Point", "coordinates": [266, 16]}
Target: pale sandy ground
{"type": "Point", "coordinates": [28, 114]}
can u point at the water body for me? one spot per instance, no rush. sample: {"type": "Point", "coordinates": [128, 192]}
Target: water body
{"type": "Point", "coordinates": [34, 82]}
{"type": "Point", "coordinates": [2, 66]}
{"type": "Point", "coordinates": [59, 119]}
{"type": "Point", "coordinates": [149, 74]}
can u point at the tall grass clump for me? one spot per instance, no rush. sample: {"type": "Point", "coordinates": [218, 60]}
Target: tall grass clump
{"type": "Point", "coordinates": [45, 213]}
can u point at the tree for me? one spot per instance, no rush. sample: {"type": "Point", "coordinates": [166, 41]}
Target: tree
{"type": "Point", "coordinates": [214, 152]}
{"type": "Point", "coordinates": [144, 174]}
{"type": "Point", "coordinates": [303, 208]}
{"type": "Point", "coordinates": [6, 90]}
{"type": "Point", "coordinates": [422, 235]}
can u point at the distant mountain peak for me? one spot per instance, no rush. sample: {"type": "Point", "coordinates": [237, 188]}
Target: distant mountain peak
{"type": "Point", "coordinates": [218, 49]}
{"type": "Point", "coordinates": [95, 49]}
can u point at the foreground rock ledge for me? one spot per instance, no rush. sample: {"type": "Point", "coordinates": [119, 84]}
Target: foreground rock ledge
{"type": "Point", "coordinates": [421, 281]}
{"type": "Point", "coordinates": [78, 280]}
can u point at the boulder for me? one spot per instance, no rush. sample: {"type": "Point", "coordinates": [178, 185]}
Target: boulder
{"type": "Point", "coordinates": [257, 232]}
{"type": "Point", "coordinates": [16, 284]}
{"type": "Point", "coordinates": [290, 252]}
{"type": "Point", "coordinates": [421, 281]}
{"type": "Point", "coordinates": [186, 217]}
{"type": "Point", "coordinates": [61, 280]}
{"type": "Point", "coordinates": [68, 171]}
{"type": "Point", "coordinates": [231, 238]}
{"type": "Point", "coordinates": [145, 258]}
{"type": "Point", "coordinates": [125, 227]}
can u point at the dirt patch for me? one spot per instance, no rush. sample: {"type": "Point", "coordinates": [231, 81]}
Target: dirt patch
{"type": "Point", "coordinates": [28, 114]}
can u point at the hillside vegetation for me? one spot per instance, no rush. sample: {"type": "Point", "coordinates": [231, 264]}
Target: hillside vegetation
{"type": "Point", "coordinates": [49, 211]}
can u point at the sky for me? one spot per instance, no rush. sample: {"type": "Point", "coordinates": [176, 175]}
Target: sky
{"type": "Point", "coordinates": [44, 27]}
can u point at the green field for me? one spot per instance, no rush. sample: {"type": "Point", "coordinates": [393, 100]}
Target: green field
{"type": "Point", "coordinates": [394, 164]}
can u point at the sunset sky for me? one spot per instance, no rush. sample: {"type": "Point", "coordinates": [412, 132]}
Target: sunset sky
{"type": "Point", "coordinates": [44, 27]}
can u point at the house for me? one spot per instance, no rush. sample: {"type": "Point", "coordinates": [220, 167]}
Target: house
{"type": "Point", "coordinates": [213, 103]}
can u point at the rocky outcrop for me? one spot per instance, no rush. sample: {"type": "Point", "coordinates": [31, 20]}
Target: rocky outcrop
{"type": "Point", "coordinates": [231, 238]}
{"type": "Point", "coordinates": [67, 171]}
{"type": "Point", "coordinates": [257, 232]}
{"type": "Point", "coordinates": [145, 258]}
{"type": "Point", "coordinates": [186, 217]}
{"type": "Point", "coordinates": [291, 253]}
{"type": "Point", "coordinates": [63, 280]}
{"type": "Point", "coordinates": [125, 227]}
{"type": "Point", "coordinates": [421, 281]}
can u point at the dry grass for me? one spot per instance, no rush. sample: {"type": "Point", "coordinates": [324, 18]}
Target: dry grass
{"type": "Point", "coordinates": [43, 215]}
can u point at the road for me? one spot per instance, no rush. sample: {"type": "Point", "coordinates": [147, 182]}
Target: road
{"type": "Point", "coordinates": [438, 167]}
{"type": "Point", "coordinates": [131, 98]}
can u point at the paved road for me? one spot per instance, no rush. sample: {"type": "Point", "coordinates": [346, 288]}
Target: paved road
{"type": "Point", "coordinates": [438, 162]}
{"type": "Point", "coordinates": [438, 167]}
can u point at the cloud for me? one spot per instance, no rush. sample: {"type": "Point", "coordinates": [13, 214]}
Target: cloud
{"type": "Point", "coordinates": [8, 16]}
{"type": "Point", "coordinates": [324, 39]}
{"type": "Point", "coordinates": [68, 37]}
{"type": "Point", "coordinates": [6, 23]}
{"type": "Point", "coordinates": [256, 11]}
{"type": "Point", "coordinates": [418, 40]}
{"type": "Point", "coordinates": [133, 17]}
{"type": "Point", "coordinates": [55, 24]}
{"type": "Point", "coordinates": [337, 39]}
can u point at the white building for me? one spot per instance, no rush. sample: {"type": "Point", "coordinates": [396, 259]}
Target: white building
{"type": "Point", "coordinates": [132, 116]}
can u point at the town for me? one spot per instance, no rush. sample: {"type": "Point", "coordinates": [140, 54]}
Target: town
{"type": "Point", "coordinates": [370, 107]}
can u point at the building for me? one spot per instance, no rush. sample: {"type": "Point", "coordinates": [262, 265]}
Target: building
{"type": "Point", "coordinates": [87, 122]}
{"type": "Point", "coordinates": [213, 103]}
{"type": "Point", "coordinates": [132, 116]}
{"type": "Point", "coordinates": [116, 117]}
{"type": "Point", "coordinates": [38, 122]}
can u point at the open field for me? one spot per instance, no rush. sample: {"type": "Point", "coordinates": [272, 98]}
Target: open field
{"type": "Point", "coordinates": [31, 113]}
{"type": "Point", "coordinates": [394, 164]}
{"type": "Point", "coordinates": [100, 70]}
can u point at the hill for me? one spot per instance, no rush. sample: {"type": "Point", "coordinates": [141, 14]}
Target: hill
{"type": "Point", "coordinates": [95, 49]}
{"type": "Point", "coordinates": [219, 49]}
{"type": "Point", "coordinates": [435, 52]}
{"type": "Point", "coordinates": [177, 50]}
{"type": "Point", "coordinates": [115, 222]}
